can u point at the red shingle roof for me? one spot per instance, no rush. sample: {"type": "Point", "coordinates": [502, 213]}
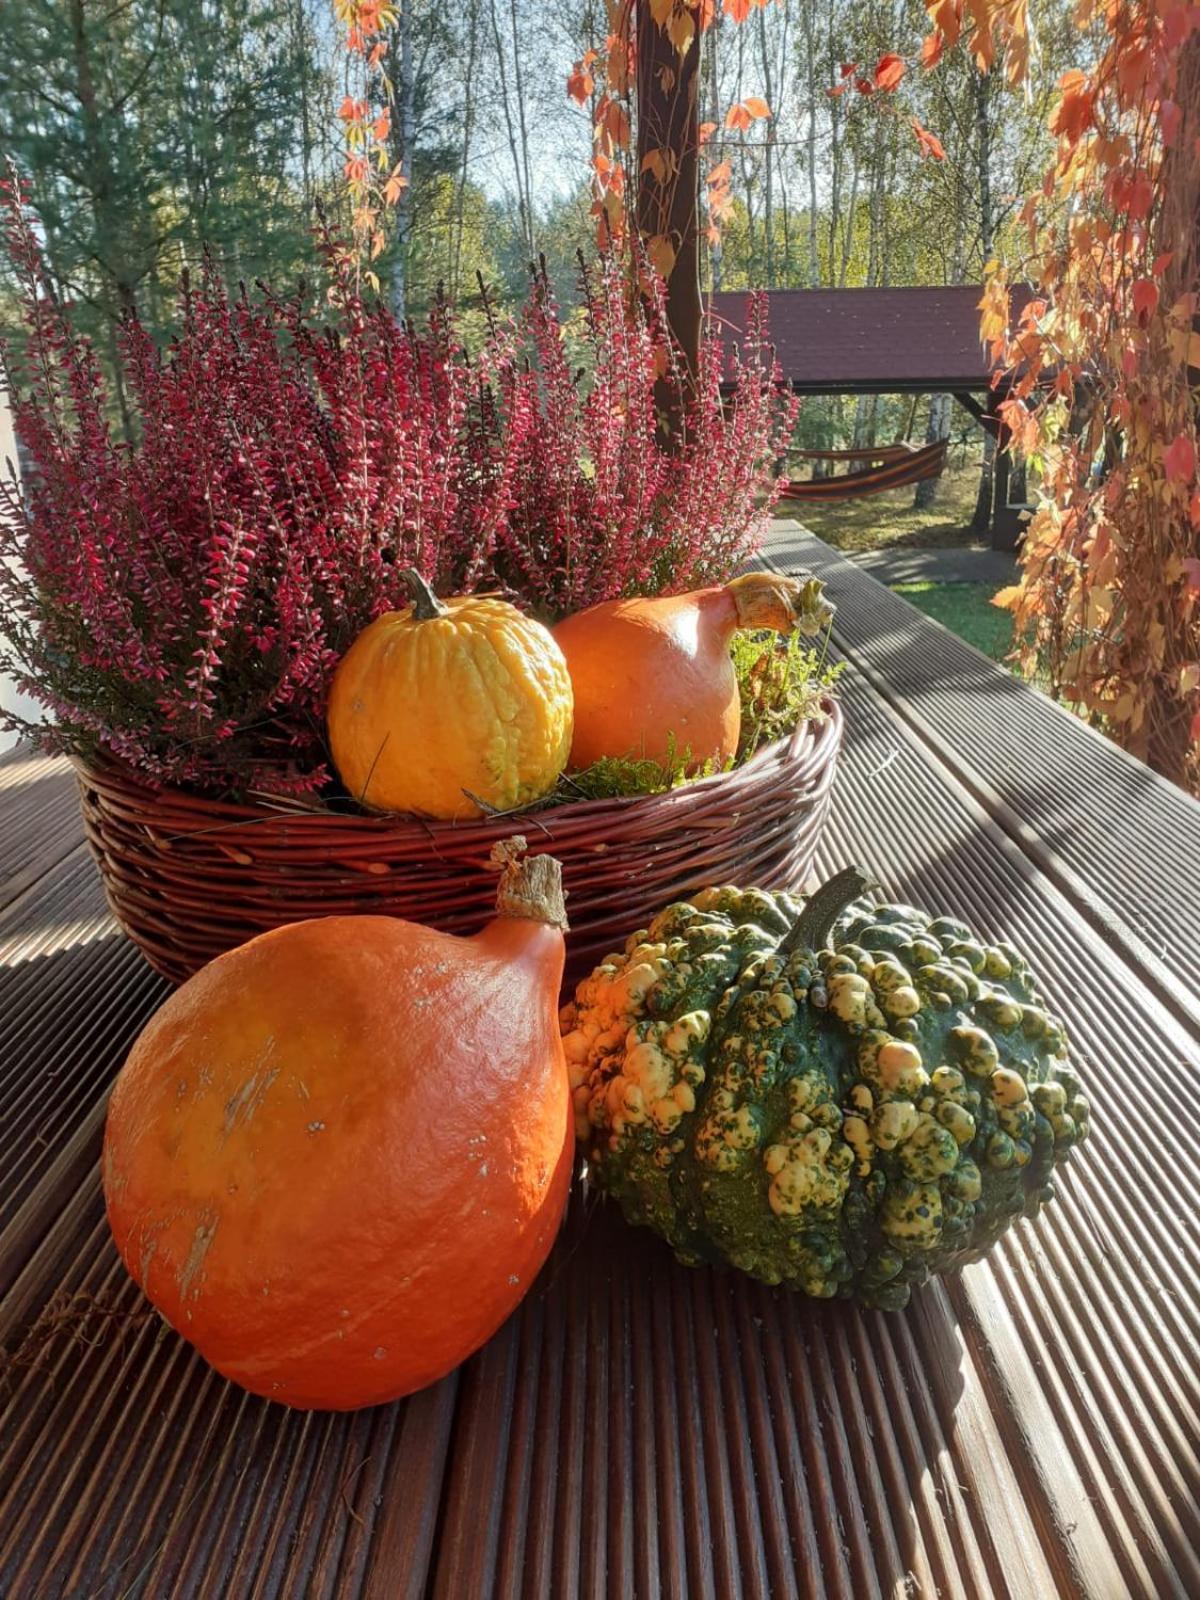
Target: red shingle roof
{"type": "Point", "coordinates": [884, 341]}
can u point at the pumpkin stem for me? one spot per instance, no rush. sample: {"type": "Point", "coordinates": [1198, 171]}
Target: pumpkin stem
{"type": "Point", "coordinates": [530, 886]}
{"type": "Point", "coordinates": [786, 604]}
{"type": "Point", "coordinates": [812, 927]}
{"type": "Point", "coordinates": [425, 604]}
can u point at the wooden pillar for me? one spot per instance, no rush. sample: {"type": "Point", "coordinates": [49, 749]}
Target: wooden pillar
{"type": "Point", "coordinates": [1006, 519]}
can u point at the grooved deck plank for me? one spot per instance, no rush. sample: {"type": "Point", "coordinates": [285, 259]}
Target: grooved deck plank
{"type": "Point", "coordinates": [1029, 1428]}
{"type": "Point", "coordinates": [40, 810]}
{"type": "Point", "coordinates": [1122, 841]}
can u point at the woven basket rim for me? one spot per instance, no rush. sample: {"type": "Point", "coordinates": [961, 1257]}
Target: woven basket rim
{"type": "Point", "coordinates": [809, 743]}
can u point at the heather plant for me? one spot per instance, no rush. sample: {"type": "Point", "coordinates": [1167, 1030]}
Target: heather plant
{"type": "Point", "coordinates": [180, 598]}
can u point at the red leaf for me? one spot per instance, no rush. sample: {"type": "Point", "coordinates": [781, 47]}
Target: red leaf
{"type": "Point", "coordinates": [1162, 262]}
{"type": "Point", "coordinates": [1145, 299]}
{"type": "Point", "coordinates": [1179, 460]}
{"type": "Point", "coordinates": [838, 88]}
{"type": "Point", "coordinates": [889, 72]}
{"type": "Point", "coordinates": [848, 68]}
{"type": "Point", "coordinates": [930, 143]}
{"type": "Point", "coordinates": [580, 84]}
{"type": "Point", "coordinates": [931, 50]}
{"type": "Point", "coordinates": [864, 86]}
{"type": "Point", "coordinates": [737, 10]}
{"type": "Point", "coordinates": [1075, 111]}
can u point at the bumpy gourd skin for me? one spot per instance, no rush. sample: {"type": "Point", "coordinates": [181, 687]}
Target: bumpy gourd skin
{"type": "Point", "coordinates": [843, 1121]}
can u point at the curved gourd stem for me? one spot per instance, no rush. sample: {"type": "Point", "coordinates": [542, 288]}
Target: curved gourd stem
{"type": "Point", "coordinates": [776, 600]}
{"type": "Point", "coordinates": [530, 887]}
{"type": "Point", "coordinates": [812, 927]}
{"type": "Point", "coordinates": [425, 604]}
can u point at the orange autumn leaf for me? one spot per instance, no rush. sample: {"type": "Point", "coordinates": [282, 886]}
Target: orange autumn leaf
{"type": "Point", "coordinates": [1179, 460]}
{"type": "Point", "coordinates": [706, 131]}
{"type": "Point", "coordinates": [662, 255]}
{"type": "Point", "coordinates": [930, 144]}
{"type": "Point", "coordinates": [738, 118]}
{"type": "Point", "coordinates": [1075, 111]}
{"type": "Point", "coordinates": [1144, 296]}
{"type": "Point", "coordinates": [662, 163]}
{"type": "Point", "coordinates": [681, 30]}
{"type": "Point", "coordinates": [756, 106]}
{"type": "Point", "coordinates": [889, 71]}
{"type": "Point", "coordinates": [580, 84]}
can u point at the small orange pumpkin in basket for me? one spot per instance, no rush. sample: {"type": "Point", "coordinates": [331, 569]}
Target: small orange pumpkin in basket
{"type": "Point", "coordinates": [652, 676]}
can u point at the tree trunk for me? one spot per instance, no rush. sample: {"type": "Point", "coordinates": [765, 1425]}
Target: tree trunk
{"type": "Point", "coordinates": [468, 127]}
{"type": "Point", "coordinates": [403, 138]}
{"type": "Point", "coordinates": [768, 154]}
{"type": "Point", "coordinates": [982, 515]}
{"type": "Point", "coordinates": [983, 157]}
{"type": "Point", "coordinates": [668, 106]}
{"type": "Point", "coordinates": [101, 179]}
{"type": "Point", "coordinates": [713, 115]}
{"type": "Point", "coordinates": [514, 143]}
{"type": "Point", "coordinates": [523, 130]}
{"type": "Point", "coordinates": [939, 428]}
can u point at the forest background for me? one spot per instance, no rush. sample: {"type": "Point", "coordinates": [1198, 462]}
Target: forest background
{"type": "Point", "coordinates": [150, 130]}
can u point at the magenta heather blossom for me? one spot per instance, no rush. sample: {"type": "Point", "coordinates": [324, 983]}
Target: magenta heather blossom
{"type": "Point", "coordinates": [181, 601]}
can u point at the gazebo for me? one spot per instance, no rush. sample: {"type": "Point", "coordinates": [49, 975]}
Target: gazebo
{"type": "Point", "coordinates": [911, 340]}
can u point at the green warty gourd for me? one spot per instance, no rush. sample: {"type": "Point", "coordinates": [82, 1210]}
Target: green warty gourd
{"type": "Point", "coordinates": [842, 1117]}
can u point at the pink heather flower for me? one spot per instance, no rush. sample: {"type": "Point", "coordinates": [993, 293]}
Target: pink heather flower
{"type": "Point", "coordinates": [183, 600]}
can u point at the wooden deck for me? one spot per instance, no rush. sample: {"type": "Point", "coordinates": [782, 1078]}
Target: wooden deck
{"type": "Point", "coordinates": [1030, 1428]}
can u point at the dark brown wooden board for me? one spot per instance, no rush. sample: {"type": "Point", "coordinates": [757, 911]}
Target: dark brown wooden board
{"type": "Point", "coordinates": [1030, 1428]}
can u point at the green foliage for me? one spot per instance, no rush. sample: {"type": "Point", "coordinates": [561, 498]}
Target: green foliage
{"type": "Point", "coordinates": [967, 610]}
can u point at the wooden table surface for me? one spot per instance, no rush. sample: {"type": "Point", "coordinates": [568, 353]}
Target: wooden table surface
{"type": "Point", "coordinates": [1029, 1428]}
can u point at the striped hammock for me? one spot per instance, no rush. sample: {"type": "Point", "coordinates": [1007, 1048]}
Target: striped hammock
{"type": "Point", "coordinates": [891, 466]}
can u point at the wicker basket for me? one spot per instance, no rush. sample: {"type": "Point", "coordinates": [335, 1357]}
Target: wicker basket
{"type": "Point", "coordinates": [188, 877]}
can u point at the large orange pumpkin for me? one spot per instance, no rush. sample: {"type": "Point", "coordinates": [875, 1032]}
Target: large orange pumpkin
{"type": "Point", "coordinates": [650, 675]}
{"type": "Point", "coordinates": [337, 1157]}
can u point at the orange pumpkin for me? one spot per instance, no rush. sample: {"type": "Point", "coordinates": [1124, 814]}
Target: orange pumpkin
{"type": "Point", "coordinates": [337, 1157]}
{"type": "Point", "coordinates": [646, 672]}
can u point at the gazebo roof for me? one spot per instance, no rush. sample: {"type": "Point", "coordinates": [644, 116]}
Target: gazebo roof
{"type": "Point", "coordinates": [873, 341]}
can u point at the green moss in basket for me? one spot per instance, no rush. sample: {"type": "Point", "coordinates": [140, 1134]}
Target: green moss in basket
{"type": "Point", "coordinates": [781, 683]}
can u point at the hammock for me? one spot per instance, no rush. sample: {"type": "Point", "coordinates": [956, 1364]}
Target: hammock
{"type": "Point", "coordinates": [891, 466]}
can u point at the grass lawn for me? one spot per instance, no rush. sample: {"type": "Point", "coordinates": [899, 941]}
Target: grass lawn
{"type": "Point", "coordinates": [966, 609]}
{"type": "Point", "coordinates": [883, 520]}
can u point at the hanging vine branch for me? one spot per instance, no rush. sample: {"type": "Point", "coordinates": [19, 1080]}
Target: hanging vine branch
{"type": "Point", "coordinates": [374, 181]}
{"type": "Point", "coordinates": [648, 142]}
{"type": "Point", "coordinates": [1103, 368]}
